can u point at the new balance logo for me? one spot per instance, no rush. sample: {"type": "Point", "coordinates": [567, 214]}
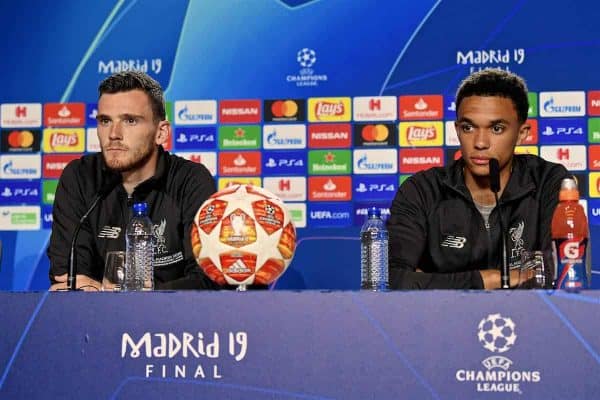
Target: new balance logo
{"type": "Point", "coordinates": [456, 242]}
{"type": "Point", "coordinates": [110, 232]}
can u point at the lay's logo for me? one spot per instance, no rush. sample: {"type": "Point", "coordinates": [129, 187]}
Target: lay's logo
{"type": "Point", "coordinates": [329, 109]}
{"type": "Point", "coordinates": [421, 134]}
{"type": "Point", "coordinates": [63, 140]}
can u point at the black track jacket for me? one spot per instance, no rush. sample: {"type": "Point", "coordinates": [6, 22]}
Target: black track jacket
{"type": "Point", "coordinates": [173, 194]}
{"type": "Point", "coordinates": [435, 226]}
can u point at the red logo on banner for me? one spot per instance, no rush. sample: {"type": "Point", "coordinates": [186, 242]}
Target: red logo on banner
{"type": "Point", "coordinates": [594, 102]}
{"type": "Point", "coordinates": [239, 163]}
{"type": "Point", "coordinates": [53, 164]}
{"type": "Point", "coordinates": [64, 114]}
{"type": "Point", "coordinates": [532, 137]}
{"type": "Point", "coordinates": [285, 185]}
{"type": "Point", "coordinates": [421, 107]}
{"type": "Point", "coordinates": [375, 105]}
{"type": "Point", "coordinates": [21, 111]}
{"type": "Point", "coordinates": [563, 153]}
{"type": "Point", "coordinates": [415, 160]}
{"type": "Point", "coordinates": [329, 188]}
{"type": "Point", "coordinates": [329, 135]}
{"type": "Point", "coordinates": [594, 157]}
{"type": "Point", "coordinates": [239, 111]}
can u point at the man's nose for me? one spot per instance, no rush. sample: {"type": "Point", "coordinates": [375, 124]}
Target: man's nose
{"type": "Point", "coordinates": [115, 131]}
{"type": "Point", "coordinates": [482, 139]}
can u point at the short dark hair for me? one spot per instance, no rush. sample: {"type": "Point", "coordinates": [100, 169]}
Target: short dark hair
{"type": "Point", "coordinates": [132, 80]}
{"type": "Point", "coordinates": [496, 83]}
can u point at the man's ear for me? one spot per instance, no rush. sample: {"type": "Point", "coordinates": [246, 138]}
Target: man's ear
{"type": "Point", "coordinates": [163, 132]}
{"type": "Point", "coordinates": [523, 133]}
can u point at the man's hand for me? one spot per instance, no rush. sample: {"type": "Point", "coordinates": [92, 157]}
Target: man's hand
{"type": "Point", "coordinates": [84, 283]}
{"type": "Point", "coordinates": [492, 279]}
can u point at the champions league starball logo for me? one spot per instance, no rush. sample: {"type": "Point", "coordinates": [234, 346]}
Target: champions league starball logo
{"type": "Point", "coordinates": [497, 334]}
{"type": "Point", "coordinates": [306, 57]}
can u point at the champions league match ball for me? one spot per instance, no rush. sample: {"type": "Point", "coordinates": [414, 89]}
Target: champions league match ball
{"type": "Point", "coordinates": [243, 235]}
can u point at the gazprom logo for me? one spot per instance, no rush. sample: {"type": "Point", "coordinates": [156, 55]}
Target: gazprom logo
{"type": "Point", "coordinates": [376, 161]}
{"type": "Point", "coordinates": [21, 166]}
{"type": "Point", "coordinates": [196, 112]}
{"type": "Point", "coordinates": [284, 136]}
{"type": "Point", "coordinates": [562, 104]}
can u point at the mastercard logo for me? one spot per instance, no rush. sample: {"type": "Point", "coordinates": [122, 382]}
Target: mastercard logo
{"type": "Point", "coordinates": [21, 139]}
{"type": "Point", "coordinates": [375, 133]}
{"type": "Point", "coordinates": [284, 108]}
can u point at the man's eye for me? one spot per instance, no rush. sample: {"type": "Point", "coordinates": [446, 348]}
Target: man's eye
{"type": "Point", "coordinates": [131, 121]}
{"type": "Point", "coordinates": [466, 127]}
{"type": "Point", "coordinates": [497, 129]}
{"type": "Point", "coordinates": [104, 121]}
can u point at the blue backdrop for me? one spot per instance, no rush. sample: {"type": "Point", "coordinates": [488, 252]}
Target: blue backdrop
{"type": "Point", "coordinates": [232, 50]}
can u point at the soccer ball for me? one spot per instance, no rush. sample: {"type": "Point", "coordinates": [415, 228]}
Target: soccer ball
{"type": "Point", "coordinates": [242, 235]}
{"type": "Point", "coordinates": [497, 333]}
{"type": "Point", "coordinates": [306, 57]}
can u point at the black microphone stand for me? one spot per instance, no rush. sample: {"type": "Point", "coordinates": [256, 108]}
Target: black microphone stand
{"type": "Point", "coordinates": [111, 183]}
{"type": "Point", "coordinates": [72, 277]}
{"type": "Point", "coordinates": [495, 187]}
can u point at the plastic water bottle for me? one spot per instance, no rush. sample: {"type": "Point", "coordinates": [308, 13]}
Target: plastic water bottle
{"type": "Point", "coordinates": [139, 270]}
{"type": "Point", "coordinates": [374, 252]}
{"type": "Point", "coordinates": [570, 240]}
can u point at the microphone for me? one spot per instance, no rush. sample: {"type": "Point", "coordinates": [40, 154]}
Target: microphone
{"type": "Point", "coordinates": [111, 182]}
{"type": "Point", "coordinates": [495, 188]}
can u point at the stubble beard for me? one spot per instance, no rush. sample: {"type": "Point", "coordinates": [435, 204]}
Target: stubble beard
{"type": "Point", "coordinates": [130, 162]}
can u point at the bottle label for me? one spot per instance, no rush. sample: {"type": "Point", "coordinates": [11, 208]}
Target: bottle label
{"type": "Point", "coordinates": [571, 263]}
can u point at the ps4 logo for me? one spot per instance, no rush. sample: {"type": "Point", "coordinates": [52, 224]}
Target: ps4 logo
{"type": "Point", "coordinates": [571, 130]}
{"type": "Point", "coordinates": [563, 130]}
{"type": "Point", "coordinates": [20, 192]}
{"type": "Point", "coordinates": [293, 162]}
{"type": "Point", "coordinates": [285, 162]}
{"type": "Point", "coordinates": [374, 187]}
{"type": "Point", "coordinates": [198, 138]}
{"type": "Point", "coordinates": [195, 138]}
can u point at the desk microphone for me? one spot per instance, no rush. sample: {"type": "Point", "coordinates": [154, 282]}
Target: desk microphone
{"type": "Point", "coordinates": [109, 185]}
{"type": "Point", "coordinates": [495, 187]}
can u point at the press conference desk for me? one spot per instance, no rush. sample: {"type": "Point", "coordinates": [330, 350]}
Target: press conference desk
{"type": "Point", "coordinates": [308, 345]}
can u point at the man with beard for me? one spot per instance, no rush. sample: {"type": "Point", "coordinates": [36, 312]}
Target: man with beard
{"type": "Point", "coordinates": [445, 228]}
{"type": "Point", "coordinates": [132, 127]}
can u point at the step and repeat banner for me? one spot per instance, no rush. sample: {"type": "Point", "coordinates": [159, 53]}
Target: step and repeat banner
{"type": "Point", "coordinates": [329, 104]}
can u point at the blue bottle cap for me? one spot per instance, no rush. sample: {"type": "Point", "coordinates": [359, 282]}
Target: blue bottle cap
{"type": "Point", "coordinates": [374, 212]}
{"type": "Point", "coordinates": [140, 208]}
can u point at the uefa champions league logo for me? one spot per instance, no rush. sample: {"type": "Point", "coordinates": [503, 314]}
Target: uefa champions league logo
{"type": "Point", "coordinates": [306, 76]}
{"type": "Point", "coordinates": [497, 333]}
{"type": "Point", "coordinates": [306, 57]}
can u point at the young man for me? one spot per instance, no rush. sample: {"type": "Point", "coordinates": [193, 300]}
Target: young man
{"type": "Point", "coordinates": [132, 127]}
{"type": "Point", "coordinates": [445, 229]}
